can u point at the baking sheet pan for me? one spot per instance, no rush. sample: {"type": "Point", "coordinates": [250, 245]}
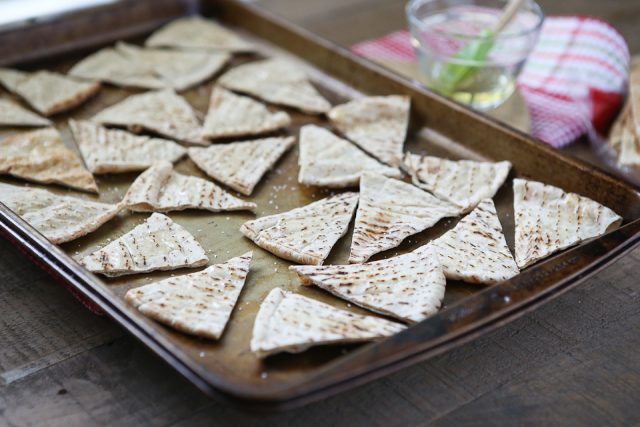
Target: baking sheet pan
{"type": "Point", "coordinates": [227, 368]}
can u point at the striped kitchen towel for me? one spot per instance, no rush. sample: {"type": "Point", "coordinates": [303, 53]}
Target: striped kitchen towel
{"type": "Point", "coordinates": [573, 81]}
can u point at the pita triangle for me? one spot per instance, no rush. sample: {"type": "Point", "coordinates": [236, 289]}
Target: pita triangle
{"type": "Point", "coordinates": [41, 156]}
{"type": "Point", "coordinates": [116, 151]}
{"type": "Point", "coordinates": [198, 303]}
{"type": "Point", "coordinates": [306, 234]}
{"type": "Point", "coordinates": [408, 287]}
{"type": "Point", "coordinates": [110, 66]}
{"type": "Point", "coordinates": [463, 182]}
{"type": "Point", "coordinates": [548, 220]}
{"type": "Point", "coordinates": [156, 244]}
{"type": "Point", "coordinates": [241, 165]}
{"type": "Point", "coordinates": [622, 128]}
{"type": "Point", "coordinates": [59, 218]}
{"type": "Point", "coordinates": [328, 161]}
{"type": "Point", "coordinates": [293, 323]}
{"type": "Point", "coordinates": [179, 69]}
{"type": "Point", "coordinates": [234, 115]}
{"type": "Point", "coordinates": [161, 189]}
{"type": "Point", "coordinates": [634, 95]}
{"type": "Point", "coordinates": [277, 81]}
{"type": "Point", "coordinates": [629, 148]}
{"type": "Point", "coordinates": [475, 250]}
{"type": "Point", "coordinates": [198, 33]}
{"type": "Point", "coordinates": [48, 93]}
{"type": "Point", "coordinates": [12, 114]}
{"type": "Point", "coordinates": [389, 211]}
{"type": "Point", "coordinates": [378, 124]}
{"type": "Point", "coordinates": [11, 78]}
{"type": "Point", "coordinates": [163, 112]}
{"type": "Point", "coordinates": [624, 139]}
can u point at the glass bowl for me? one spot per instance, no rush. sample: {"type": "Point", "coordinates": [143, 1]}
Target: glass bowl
{"type": "Point", "coordinates": [459, 56]}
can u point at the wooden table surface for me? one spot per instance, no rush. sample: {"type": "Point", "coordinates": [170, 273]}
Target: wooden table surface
{"type": "Point", "coordinates": [575, 361]}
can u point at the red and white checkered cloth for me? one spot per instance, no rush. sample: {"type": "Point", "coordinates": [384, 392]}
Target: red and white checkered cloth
{"type": "Point", "coordinates": [573, 81]}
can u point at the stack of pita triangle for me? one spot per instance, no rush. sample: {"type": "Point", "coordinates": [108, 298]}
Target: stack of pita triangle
{"type": "Point", "coordinates": [234, 115]}
{"type": "Point", "coordinates": [278, 81]}
{"type": "Point", "coordinates": [328, 161]}
{"type": "Point", "coordinates": [389, 211]}
{"type": "Point", "coordinates": [41, 156]}
{"type": "Point", "coordinates": [163, 112]}
{"type": "Point", "coordinates": [131, 66]}
{"type": "Point", "coordinates": [548, 220]}
{"type": "Point", "coordinates": [625, 139]}
{"type": "Point", "coordinates": [157, 244]}
{"type": "Point", "coordinates": [116, 151]}
{"type": "Point", "coordinates": [378, 124]}
{"type": "Point", "coordinates": [12, 114]}
{"type": "Point", "coordinates": [59, 218]}
{"type": "Point", "coordinates": [161, 189]}
{"type": "Point", "coordinates": [48, 93]}
{"type": "Point", "coordinates": [625, 134]}
{"type": "Point", "coordinates": [464, 182]}
{"type": "Point", "coordinates": [198, 303]}
{"type": "Point", "coordinates": [475, 250]}
{"type": "Point", "coordinates": [634, 92]}
{"type": "Point", "coordinates": [408, 287]}
{"type": "Point", "coordinates": [306, 234]}
{"type": "Point", "coordinates": [241, 165]}
{"type": "Point", "coordinates": [197, 33]}
{"type": "Point", "coordinates": [293, 323]}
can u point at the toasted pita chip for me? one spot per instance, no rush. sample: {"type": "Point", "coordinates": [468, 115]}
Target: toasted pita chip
{"type": "Point", "coordinates": [475, 250]}
{"type": "Point", "coordinates": [409, 287]}
{"type": "Point", "coordinates": [234, 115]}
{"type": "Point", "coordinates": [306, 234]}
{"type": "Point", "coordinates": [12, 114]}
{"type": "Point", "coordinates": [110, 66]}
{"type": "Point", "coordinates": [277, 81]}
{"type": "Point", "coordinates": [163, 112]}
{"type": "Point", "coordinates": [293, 323]}
{"type": "Point", "coordinates": [11, 78]}
{"type": "Point", "coordinates": [548, 220]}
{"type": "Point", "coordinates": [389, 211]}
{"type": "Point", "coordinates": [157, 244]}
{"type": "Point", "coordinates": [59, 218]}
{"type": "Point", "coordinates": [116, 151]}
{"type": "Point", "coordinates": [41, 156]}
{"type": "Point", "coordinates": [161, 189]}
{"type": "Point", "coordinates": [629, 151]}
{"type": "Point", "coordinates": [620, 127]}
{"type": "Point", "coordinates": [198, 303]}
{"type": "Point", "coordinates": [198, 33]}
{"type": "Point", "coordinates": [464, 182]}
{"type": "Point", "coordinates": [624, 139]}
{"type": "Point", "coordinates": [179, 69]}
{"type": "Point", "coordinates": [241, 165]}
{"type": "Point", "coordinates": [328, 161]}
{"type": "Point", "coordinates": [378, 124]}
{"type": "Point", "coordinates": [634, 95]}
{"type": "Point", "coordinates": [48, 93]}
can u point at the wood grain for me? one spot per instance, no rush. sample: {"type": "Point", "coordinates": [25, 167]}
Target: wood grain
{"type": "Point", "coordinates": [572, 362]}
